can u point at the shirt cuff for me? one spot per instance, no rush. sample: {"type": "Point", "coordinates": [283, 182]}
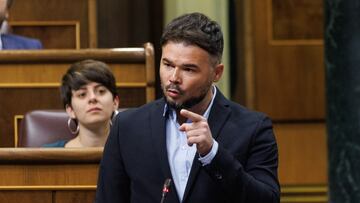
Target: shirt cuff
{"type": "Point", "coordinates": [205, 160]}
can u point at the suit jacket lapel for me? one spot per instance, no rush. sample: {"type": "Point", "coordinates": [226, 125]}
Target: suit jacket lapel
{"type": "Point", "coordinates": [159, 140]}
{"type": "Point", "coordinates": [218, 116]}
{"type": "Point", "coordinates": [158, 136]}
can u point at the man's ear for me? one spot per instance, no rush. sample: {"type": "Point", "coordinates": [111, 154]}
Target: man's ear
{"type": "Point", "coordinates": [218, 71]}
{"type": "Point", "coordinates": [70, 111]}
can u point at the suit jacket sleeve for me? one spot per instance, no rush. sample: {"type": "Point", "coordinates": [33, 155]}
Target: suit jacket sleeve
{"type": "Point", "coordinates": [255, 180]}
{"type": "Point", "coordinates": [113, 182]}
{"type": "Point", "coordinates": [38, 44]}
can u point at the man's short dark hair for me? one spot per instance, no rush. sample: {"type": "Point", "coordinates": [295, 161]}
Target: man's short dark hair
{"type": "Point", "coordinates": [84, 72]}
{"type": "Point", "coordinates": [195, 29]}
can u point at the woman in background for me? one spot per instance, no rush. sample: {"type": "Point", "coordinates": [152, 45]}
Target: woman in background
{"type": "Point", "coordinates": [89, 95]}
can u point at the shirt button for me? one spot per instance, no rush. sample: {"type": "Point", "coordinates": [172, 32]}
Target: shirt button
{"type": "Point", "coordinates": [183, 147]}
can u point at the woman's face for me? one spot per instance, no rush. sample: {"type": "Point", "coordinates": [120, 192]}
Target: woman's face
{"type": "Point", "coordinates": [92, 105]}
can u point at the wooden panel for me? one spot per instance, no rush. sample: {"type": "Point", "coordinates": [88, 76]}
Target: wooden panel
{"type": "Point", "coordinates": [34, 196]}
{"type": "Point", "coordinates": [124, 73]}
{"type": "Point", "coordinates": [304, 194]}
{"type": "Point", "coordinates": [302, 162]}
{"type": "Point", "coordinates": [302, 153]}
{"type": "Point", "coordinates": [129, 23]}
{"type": "Point", "coordinates": [132, 97]}
{"type": "Point", "coordinates": [74, 196]}
{"type": "Point", "coordinates": [290, 82]}
{"type": "Point", "coordinates": [297, 19]}
{"type": "Point", "coordinates": [288, 74]}
{"type": "Point", "coordinates": [26, 196]}
{"type": "Point", "coordinates": [28, 78]}
{"type": "Point", "coordinates": [50, 33]}
{"type": "Point", "coordinates": [82, 11]}
{"type": "Point", "coordinates": [32, 175]}
{"type": "Point", "coordinates": [20, 100]}
{"type": "Point", "coordinates": [284, 77]}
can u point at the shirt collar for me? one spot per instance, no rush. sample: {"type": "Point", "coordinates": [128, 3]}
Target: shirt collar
{"type": "Point", "coordinates": [168, 110]}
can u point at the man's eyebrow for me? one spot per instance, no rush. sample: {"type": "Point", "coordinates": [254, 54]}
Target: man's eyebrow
{"type": "Point", "coordinates": [166, 60]}
{"type": "Point", "coordinates": [185, 65]}
{"type": "Point", "coordinates": [189, 65]}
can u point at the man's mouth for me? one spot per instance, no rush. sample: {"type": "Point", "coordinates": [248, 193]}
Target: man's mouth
{"type": "Point", "coordinates": [173, 91]}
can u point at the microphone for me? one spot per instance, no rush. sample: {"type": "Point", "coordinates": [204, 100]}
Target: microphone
{"type": "Point", "coordinates": [165, 190]}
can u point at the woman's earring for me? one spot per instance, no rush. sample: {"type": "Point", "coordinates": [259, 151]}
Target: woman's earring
{"type": "Point", "coordinates": [76, 131]}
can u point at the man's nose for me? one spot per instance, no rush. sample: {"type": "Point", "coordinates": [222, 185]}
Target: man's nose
{"type": "Point", "coordinates": [175, 76]}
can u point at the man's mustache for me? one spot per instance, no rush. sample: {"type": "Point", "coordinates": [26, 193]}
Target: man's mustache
{"type": "Point", "coordinates": [174, 87]}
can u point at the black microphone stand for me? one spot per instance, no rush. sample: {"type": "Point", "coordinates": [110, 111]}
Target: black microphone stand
{"type": "Point", "coordinates": [165, 190]}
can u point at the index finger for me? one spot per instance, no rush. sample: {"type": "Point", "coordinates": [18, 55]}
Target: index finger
{"type": "Point", "coordinates": [191, 115]}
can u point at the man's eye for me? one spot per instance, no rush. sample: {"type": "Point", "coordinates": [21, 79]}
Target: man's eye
{"type": "Point", "coordinates": [168, 65]}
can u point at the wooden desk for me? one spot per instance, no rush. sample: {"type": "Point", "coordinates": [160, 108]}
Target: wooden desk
{"type": "Point", "coordinates": [32, 175]}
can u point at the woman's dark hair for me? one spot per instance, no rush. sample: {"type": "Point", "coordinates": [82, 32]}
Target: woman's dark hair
{"type": "Point", "coordinates": [84, 72]}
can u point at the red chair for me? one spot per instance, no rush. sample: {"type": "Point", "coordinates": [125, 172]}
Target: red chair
{"type": "Point", "coordinates": [41, 127]}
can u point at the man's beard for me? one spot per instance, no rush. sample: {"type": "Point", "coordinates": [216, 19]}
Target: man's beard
{"type": "Point", "coordinates": [187, 104]}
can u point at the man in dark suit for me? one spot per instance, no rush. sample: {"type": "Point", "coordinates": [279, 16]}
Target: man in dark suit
{"type": "Point", "coordinates": [212, 150]}
{"type": "Point", "coordinates": [11, 41]}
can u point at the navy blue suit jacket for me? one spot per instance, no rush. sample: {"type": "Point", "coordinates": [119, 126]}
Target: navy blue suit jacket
{"type": "Point", "coordinates": [135, 163]}
{"type": "Point", "coordinates": [10, 41]}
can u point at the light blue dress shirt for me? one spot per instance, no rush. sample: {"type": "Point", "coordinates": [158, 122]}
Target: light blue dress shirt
{"type": "Point", "coordinates": [1, 46]}
{"type": "Point", "coordinates": [180, 154]}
